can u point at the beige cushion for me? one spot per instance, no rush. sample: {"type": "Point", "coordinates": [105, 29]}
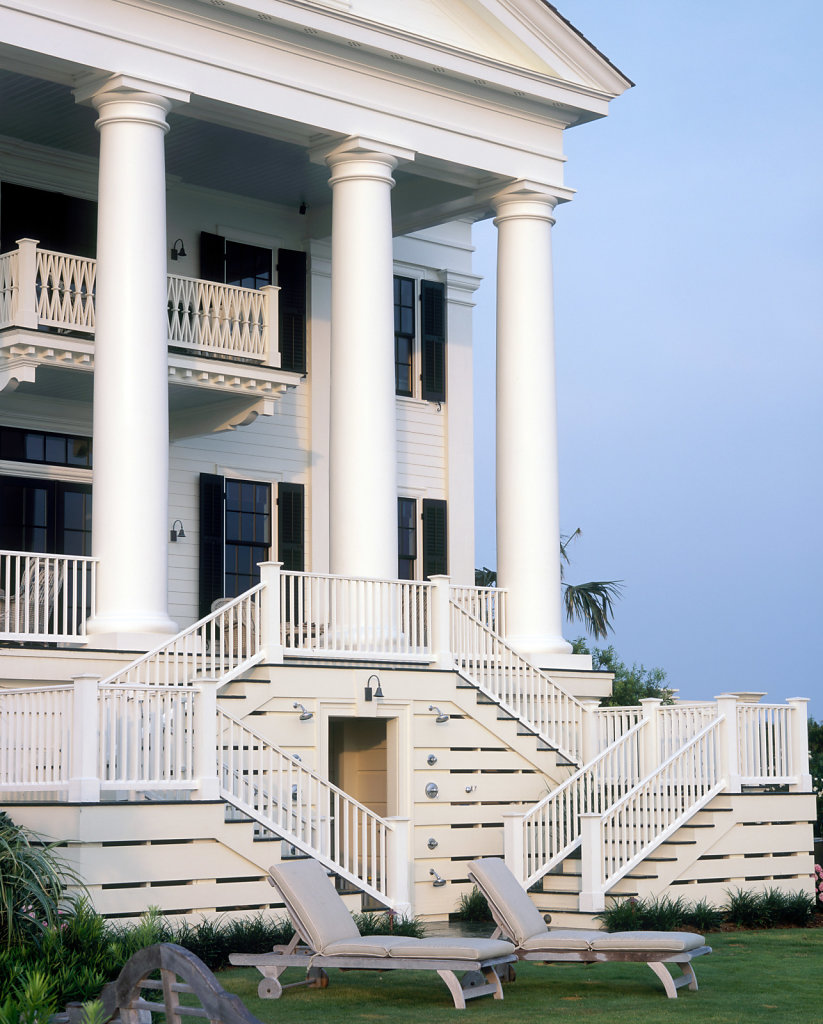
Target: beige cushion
{"type": "Point", "coordinates": [561, 940]}
{"type": "Point", "coordinates": [363, 945]}
{"type": "Point", "coordinates": [310, 894]}
{"type": "Point", "coordinates": [451, 949]}
{"type": "Point", "coordinates": [664, 942]}
{"type": "Point", "coordinates": [511, 906]}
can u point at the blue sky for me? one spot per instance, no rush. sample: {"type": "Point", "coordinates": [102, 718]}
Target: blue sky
{"type": "Point", "coordinates": [689, 293]}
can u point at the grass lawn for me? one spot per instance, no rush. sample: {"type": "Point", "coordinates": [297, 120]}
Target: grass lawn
{"type": "Point", "coordinates": [751, 977]}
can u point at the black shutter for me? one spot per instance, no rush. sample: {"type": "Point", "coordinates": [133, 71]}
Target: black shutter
{"type": "Point", "coordinates": [433, 331]}
{"type": "Point", "coordinates": [291, 544]}
{"type": "Point", "coordinates": [291, 277]}
{"type": "Point", "coordinates": [212, 257]}
{"type": "Point", "coordinates": [435, 539]}
{"type": "Point", "coordinates": [212, 540]}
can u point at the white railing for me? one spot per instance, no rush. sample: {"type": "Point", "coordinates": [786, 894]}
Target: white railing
{"type": "Point", "coordinates": [35, 738]}
{"type": "Point", "coordinates": [296, 803]}
{"type": "Point", "coordinates": [615, 842]}
{"type": "Point", "coordinates": [487, 661]}
{"type": "Point", "coordinates": [680, 722]}
{"type": "Point", "coordinates": [341, 616]}
{"type": "Point", "coordinates": [41, 288]}
{"type": "Point", "coordinates": [8, 290]}
{"type": "Point", "coordinates": [146, 737]}
{"type": "Point", "coordinates": [221, 319]}
{"type": "Point", "coordinates": [65, 291]}
{"type": "Point", "coordinates": [46, 598]}
{"type": "Point", "coordinates": [219, 646]}
{"type": "Point", "coordinates": [764, 744]}
{"type": "Point", "coordinates": [551, 829]}
{"type": "Point", "coordinates": [485, 603]}
{"type": "Point", "coordinates": [614, 722]}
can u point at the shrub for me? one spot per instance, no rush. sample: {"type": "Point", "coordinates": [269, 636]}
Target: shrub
{"type": "Point", "coordinates": [704, 917]}
{"type": "Point", "coordinates": [389, 923]}
{"type": "Point", "coordinates": [771, 908]}
{"type": "Point", "coordinates": [473, 907]}
{"type": "Point", "coordinates": [663, 914]}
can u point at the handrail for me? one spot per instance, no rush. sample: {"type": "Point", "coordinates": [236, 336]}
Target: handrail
{"type": "Point", "coordinates": [309, 812]}
{"type": "Point", "coordinates": [551, 829]}
{"type": "Point", "coordinates": [485, 660]}
{"type": "Point", "coordinates": [46, 597]}
{"type": "Point", "coordinates": [219, 646]}
{"type": "Point", "coordinates": [486, 603]}
{"type": "Point", "coordinates": [219, 318]}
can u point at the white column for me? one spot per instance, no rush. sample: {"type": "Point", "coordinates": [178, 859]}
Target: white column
{"type": "Point", "coordinates": [130, 525]}
{"type": "Point", "coordinates": [528, 519]}
{"type": "Point", "coordinates": [363, 446]}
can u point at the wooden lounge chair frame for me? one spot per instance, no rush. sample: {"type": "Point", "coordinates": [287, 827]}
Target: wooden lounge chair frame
{"type": "Point", "coordinates": [479, 977]}
{"type": "Point", "coordinates": [518, 919]}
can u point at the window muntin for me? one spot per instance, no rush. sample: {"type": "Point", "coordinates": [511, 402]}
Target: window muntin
{"type": "Point", "coordinates": [18, 445]}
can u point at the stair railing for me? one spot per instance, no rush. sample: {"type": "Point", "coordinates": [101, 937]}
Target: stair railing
{"type": "Point", "coordinates": [485, 660]}
{"type": "Point", "coordinates": [219, 646]}
{"type": "Point", "coordinates": [616, 841]}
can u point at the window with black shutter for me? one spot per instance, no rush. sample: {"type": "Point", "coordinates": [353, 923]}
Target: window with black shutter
{"type": "Point", "coordinates": [291, 277]}
{"type": "Point", "coordinates": [291, 533]}
{"type": "Point", "coordinates": [433, 340]}
{"type": "Point", "coordinates": [406, 538]}
{"type": "Point", "coordinates": [403, 335]}
{"type": "Point", "coordinates": [212, 541]}
{"type": "Point", "coordinates": [435, 539]}
{"type": "Point", "coordinates": [248, 533]}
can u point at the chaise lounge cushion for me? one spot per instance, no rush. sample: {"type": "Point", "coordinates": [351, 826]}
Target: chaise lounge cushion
{"type": "Point", "coordinates": [562, 940]}
{"type": "Point", "coordinates": [324, 917]}
{"type": "Point", "coordinates": [451, 949]}
{"type": "Point", "coordinates": [644, 942]}
{"type": "Point", "coordinates": [363, 945]}
{"type": "Point", "coordinates": [510, 902]}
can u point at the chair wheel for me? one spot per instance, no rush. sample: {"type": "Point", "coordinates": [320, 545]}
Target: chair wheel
{"type": "Point", "coordinates": [269, 988]}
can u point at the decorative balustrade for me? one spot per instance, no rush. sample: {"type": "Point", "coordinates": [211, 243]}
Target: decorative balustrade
{"type": "Point", "coordinates": [35, 739]}
{"type": "Point", "coordinates": [764, 744]}
{"type": "Point", "coordinates": [341, 616]}
{"type": "Point", "coordinates": [614, 722]}
{"type": "Point", "coordinates": [615, 842]}
{"type": "Point", "coordinates": [680, 722]}
{"type": "Point", "coordinates": [296, 803]}
{"type": "Point", "coordinates": [485, 603]}
{"type": "Point", "coordinates": [44, 289]}
{"type": "Point", "coordinates": [46, 598]}
{"type": "Point", "coordinates": [219, 646]}
{"type": "Point", "coordinates": [487, 661]}
{"type": "Point", "coordinates": [551, 829]}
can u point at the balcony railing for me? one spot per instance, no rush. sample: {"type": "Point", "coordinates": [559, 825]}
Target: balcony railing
{"type": "Point", "coordinates": [46, 598]}
{"type": "Point", "coordinates": [40, 289]}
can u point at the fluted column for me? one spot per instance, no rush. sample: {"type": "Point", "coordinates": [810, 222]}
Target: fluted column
{"type": "Point", "coordinates": [528, 519]}
{"type": "Point", "coordinates": [363, 444]}
{"type": "Point", "coordinates": [131, 419]}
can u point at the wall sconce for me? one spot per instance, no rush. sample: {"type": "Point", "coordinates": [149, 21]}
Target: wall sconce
{"type": "Point", "coordinates": [177, 250]}
{"type": "Point", "coordinates": [301, 209]}
{"type": "Point", "coordinates": [305, 714]}
{"type": "Point", "coordinates": [440, 716]}
{"type": "Point", "coordinates": [438, 881]}
{"type": "Point", "coordinates": [369, 692]}
{"type": "Point", "coordinates": [174, 533]}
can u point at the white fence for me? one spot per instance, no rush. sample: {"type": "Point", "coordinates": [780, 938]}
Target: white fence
{"type": "Point", "coordinates": [35, 739]}
{"type": "Point", "coordinates": [299, 805]}
{"type": "Point", "coordinates": [46, 598]}
{"type": "Point", "coordinates": [614, 722]}
{"type": "Point", "coordinates": [341, 616]}
{"type": "Point", "coordinates": [487, 661]}
{"type": "Point", "coordinates": [764, 744]}
{"type": "Point", "coordinates": [41, 288]}
{"type": "Point", "coordinates": [680, 722]}
{"type": "Point", "coordinates": [485, 603]}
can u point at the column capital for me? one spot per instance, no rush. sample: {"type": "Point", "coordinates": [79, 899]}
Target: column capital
{"type": "Point", "coordinates": [359, 157]}
{"type": "Point", "coordinates": [529, 199]}
{"type": "Point", "coordinates": [126, 98]}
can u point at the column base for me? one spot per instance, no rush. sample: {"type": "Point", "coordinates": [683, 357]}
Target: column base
{"type": "Point", "coordinates": [129, 633]}
{"type": "Point", "coordinates": [549, 652]}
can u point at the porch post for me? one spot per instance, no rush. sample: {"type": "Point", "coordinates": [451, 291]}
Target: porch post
{"type": "Point", "coordinates": [798, 740]}
{"type": "Point", "coordinates": [650, 736]}
{"type": "Point", "coordinates": [26, 312]}
{"type": "Point", "coordinates": [590, 735]}
{"type": "Point", "coordinates": [441, 621]}
{"type": "Point", "coordinates": [513, 847]}
{"type": "Point", "coordinates": [205, 740]}
{"type": "Point", "coordinates": [729, 742]}
{"type": "Point", "coordinates": [362, 429]}
{"type": "Point", "coordinates": [84, 783]}
{"type": "Point", "coordinates": [528, 518]}
{"type": "Point", "coordinates": [592, 897]}
{"type": "Point", "coordinates": [398, 882]}
{"type": "Point", "coordinates": [270, 637]}
{"type": "Point", "coordinates": [130, 527]}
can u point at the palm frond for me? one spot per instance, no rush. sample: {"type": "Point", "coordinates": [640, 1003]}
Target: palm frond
{"type": "Point", "coordinates": [592, 604]}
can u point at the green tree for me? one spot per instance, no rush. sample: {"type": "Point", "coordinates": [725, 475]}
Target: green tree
{"type": "Point", "coordinates": [592, 604]}
{"type": "Point", "coordinates": [631, 684]}
{"type": "Point", "coordinates": [816, 768]}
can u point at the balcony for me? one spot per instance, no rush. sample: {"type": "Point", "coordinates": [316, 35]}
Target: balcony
{"type": "Point", "coordinates": [222, 339]}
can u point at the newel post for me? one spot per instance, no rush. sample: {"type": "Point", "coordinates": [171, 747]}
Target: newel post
{"type": "Point", "coordinates": [271, 324]}
{"type": "Point", "coordinates": [26, 315]}
{"type": "Point", "coordinates": [205, 740]}
{"type": "Point", "coordinates": [729, 741]}
{"type": "Point", "coordinates": [592, 896]}
{"type": "Point", "coordinates": [84, 781]}
{"type": "Point", "coordinates": [513, 845]}
{"type": "Point", "coordinates": [441, 621]}
{"type": "Point", "coordinates": [799, 743]}
{"type": "Point", "coordinates": [589, 732]}
{"type": "Point", "coordinates": [398, 882]}
{"type": "Point", "coordinates": [650, 736]}
{"type": "Point", "coordinates": [270, 635]}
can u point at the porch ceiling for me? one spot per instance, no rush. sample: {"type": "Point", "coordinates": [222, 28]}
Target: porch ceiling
{"type": "Point", "coordinates": [269, 163]}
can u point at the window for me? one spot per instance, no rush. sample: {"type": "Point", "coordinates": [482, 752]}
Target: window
{"type": "Point", "coordinates": [432, 341]}
{"type": "Point", "coordinates": [406, 538]}
{"type": "Point", "coordinates": [248, 533]}
{"type": "Point", "coordinates": [48, 516]}
{"type": "Point", "coordinates": [434, 536]}
{"type": "Point", "coordinates": [37, 446]}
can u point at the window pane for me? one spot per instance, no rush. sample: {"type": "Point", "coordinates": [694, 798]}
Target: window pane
{"type": "Point", "coordinates": [35, 447]}
{"type": "Point", "coordinates": [56, 450]}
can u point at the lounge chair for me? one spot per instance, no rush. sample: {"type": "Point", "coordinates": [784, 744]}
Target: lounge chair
{"type": "Point", "coordinates": [517, 918]}
{"type": "Point", "coordinates": [326, 936]}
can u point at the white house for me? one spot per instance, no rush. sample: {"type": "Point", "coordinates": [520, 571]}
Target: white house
{"type": "Point", "coordinates": [236, 520]}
